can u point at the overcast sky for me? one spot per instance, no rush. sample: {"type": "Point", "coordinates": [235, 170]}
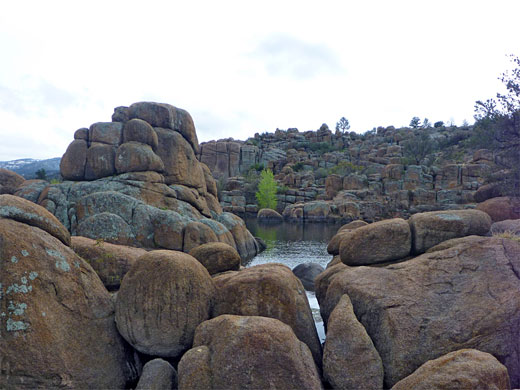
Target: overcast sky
{"type": "Point", "coordinates": [241, 67]}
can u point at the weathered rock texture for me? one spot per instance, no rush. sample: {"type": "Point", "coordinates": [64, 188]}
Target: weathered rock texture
{"type": "Point", "coordinates": [466, 369]}
{"type": "Point", "coordinates": [236, 352]}
{"type": "Point", "coordinates": [9, 181]}
{"type": "Point", "coordinates": [57, 325]}
{"type": "Point", "coordinates": [217, 257]}
{"type": "Point", "coordinates": [430, 229]}
{"type": "Point", "coordinates": [269, 290]}
{"type": "Point", "coordinates": [158, 374]}
{"type": "Point", "coordinates": [111, 262]}
{"type": "Point", "coordinates": [137, 181]}
{"type": "Point", "coordinates": [350, 360]}
{"type": "Point", "coordinates": [501, 208]}
{"type": "Point", "coordinates": [466, 296]}
{"type": "Point", "coordinates": [162, 299]}
{"type": "Point", "coordinates": [307, 272]}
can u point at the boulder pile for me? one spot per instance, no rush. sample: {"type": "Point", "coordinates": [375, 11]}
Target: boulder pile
{"type": "Point", "coordinates": [136, 181]}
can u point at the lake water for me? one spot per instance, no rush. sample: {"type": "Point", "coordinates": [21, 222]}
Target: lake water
{"type": "Point", "coordinates": [292, 244]}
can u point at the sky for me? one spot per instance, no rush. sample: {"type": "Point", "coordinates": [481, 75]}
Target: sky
{"type": "Point", "coordinates": [242, 67]}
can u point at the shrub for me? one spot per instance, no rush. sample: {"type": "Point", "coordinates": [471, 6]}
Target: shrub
{"type": "Point", "coordinates": [344, 168]}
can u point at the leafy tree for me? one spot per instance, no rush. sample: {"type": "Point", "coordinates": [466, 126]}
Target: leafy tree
{"type": "Point", "coordinates": [41, 174]}
{"type": "Point", "coordinates": [415, 123]}
{"type": "Point", "coordinates": [342, 125]}
{"type": "Point", "coordinates": [266, 194]}
{"type": "Point", "coordinates": [426, 123]}
{"type": "Point", "coordinates": [438, 124]}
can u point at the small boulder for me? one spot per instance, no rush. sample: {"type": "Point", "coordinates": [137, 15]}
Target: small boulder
{"type": "Point", "coordinates": [111, 262]}
{"type": "Point", "coordinates": [350, 360]}
{"type": "Point", "coordinates": [24, 211]}
{"type": "Point", "coordinates": [353, 225]}
{"type": "Point", "coordinates": [377, 242]}
{"type": "Point", "coordinates": [107, 227]}
{"type": "Point", "coordinates": [72, 164]}
{"type": "Point", "coordinates": [511, 226]}
{"type": "Point", "coordinates": [157, 374]}
{"type": "Point", "coordinates": [9, 181]}
{"type": "Point", "coordinates": [106, 133]}
{"type": "Point", "coordinates": [432, 228]}
{"type": "Point", "coordinates": [140, 131]}
{"type": "Point", "coordinates": [137, 157]}
{"type": "Point", "coordinates": [502, 208]}
{"type": "Point", "coordinates": [334, 243]}
{"type": "Point", "coordinates": [465, 369]}
{"type": "Point", "coordinates": [100, 161]}
{"type": "Point", "coordinates": [162, 299]}
{"type": "Point", "coordinates": [217, 257]}
{"type": "Point", "coordinates": [31, 189]}
{"type": "Point", "coordinates": [269, 216]}
{"type": "Point", "coordinates": [236, 352]}
{"type": "Point", "coordinates": [269, 290]}
{"type": "Point", "coordinates": [307, 272]}
{"type": "Point", "coordinates": [196, 234]}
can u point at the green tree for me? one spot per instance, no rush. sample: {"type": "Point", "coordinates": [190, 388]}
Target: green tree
{"type": "Point", "coordinates": [342, 125]}
{"type": "Point", "coordinates": [41, 174]}
{"type": "Point", "coordinates": [415, 123]}
{"type": "Point", "coordinates": [497, 127]}
{"type": "Point", "coordinates": [266, 194]}
{"type": "Point", "coordinates": [418, 147]}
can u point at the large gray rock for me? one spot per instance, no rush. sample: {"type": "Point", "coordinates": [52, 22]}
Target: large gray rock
{"type": "Point", "coordinates": [162, 299]}
{"type": "Point", "coordinates": [72, 164]}
{"type": "Point", "coordinates": [236, 352]}
{"type": "Point", "coordinates": [466, 296]}
{"type": "Point", "coordinates": [138, 130]}
{"type": "Point", "coordinates": [100, 161]}
{"type": "Point", "coordinates": [375, 243]}
{"type": "Point", "coordinates": [466, 369]}
{"type": "Point", "coordinates": [137, 157]}
{"type": "Point", "coordinates": [350, 360]}
{"type": "Point", "coordinates": [307, 272]}
{"type": "Point", "coordinates": [430, 229]}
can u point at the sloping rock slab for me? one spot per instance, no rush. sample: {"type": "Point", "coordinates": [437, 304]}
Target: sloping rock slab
{"type": "Point", "coordinates": [467, 296]}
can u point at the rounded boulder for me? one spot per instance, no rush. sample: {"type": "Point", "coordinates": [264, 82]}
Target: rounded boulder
{"type": "Point", "coordinates": [162, 299]}
{"type": "Point", "coordinates": [217, 257]}
{"type": "Point", "coordinates": [307, 272]}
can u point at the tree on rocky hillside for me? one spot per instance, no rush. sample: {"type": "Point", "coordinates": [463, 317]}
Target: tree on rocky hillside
{"type": "Point", "coordinates": [418, 147]}
{"type": "Point", "coordinates": [497, 127]}
{"type": "Point", "coordinates": [342, 125]}
{"type": "Point", "coordinates": [415, 123]}
{"type": "Point", "coordinates": [266, 194]}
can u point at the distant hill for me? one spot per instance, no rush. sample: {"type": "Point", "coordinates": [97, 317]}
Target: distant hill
{"type": "Point", "coordinates": [27, 167]}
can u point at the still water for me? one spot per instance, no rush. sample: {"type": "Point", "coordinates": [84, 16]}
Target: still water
{"type": "Point", "coordinates": [292, 244]}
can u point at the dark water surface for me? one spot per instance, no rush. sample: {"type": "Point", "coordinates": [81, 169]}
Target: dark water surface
{"type": "Point", "coordinates": [292, 244]}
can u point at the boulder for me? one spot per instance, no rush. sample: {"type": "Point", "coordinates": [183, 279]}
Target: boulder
{"type": "Point", "coordinates": [57, 325]}
{"type": "Point", "coordinates": [140, 131]}
{"type": "Point", "coordinates": [350, 360]}
{"type": "Point", "coordinates": [137, 157]}
{"type": "Point", "coordinates": [488, 191]}
{"type": "Point", "coordinates": [107, 227]}
{"type": "Point", "coordinates": [166, 116]}
{"type": "Point", "coordinates": [335, 241]}
{"type": "Point", "coordinates": [217, 257]}
{"type": "Point", "coordinates": [196, 234]}
{"type": "Point", "coordinates": [470, 240]}
{"type": "Point", "coordinates": [81, 134]}
{"type": "Point", "coordinates": [502, 208]}
{"type": "Point", "coordinates": [352, 225]}
{"type": "Point", "coordinates": [245, 243]}
{"type": "Point", "coordinates": [269, 216]}
{"type": "Point", "coordinates": [377, 242]}
{"type": "Point", "coordinates": [269, 290]}
{"type": "Point", "coordinates": [72, 164]}
{"type": "Point", "coordinates": [432, 228]}
{"type": "Point", "coordinates": [100, 161]}
{"type": "Point", "coordinates": [465, 369]}
{"type": "Point", "coordinates": [109, 133]}
{"type": "Point", "coordinates": [511, 226]}
{"type": "Point", "coordinates": [162, 299]}
{"type": "Point", "coordinates": [158, 374]}
{"type": "Point", "coordinates": [9, 181]}
{"type": "Point", "coordinates": [31, 189]}
{"type": "Point", "coordinates": [24, 211]}
{"type": "Point", "coordinates": [465, 296]}
{"type": "Point", "coordinates": [111, 262]}
{"type": "Point", "coordinates": [307, 272]}
{"type": "Point", "coordinates": [235, 352]}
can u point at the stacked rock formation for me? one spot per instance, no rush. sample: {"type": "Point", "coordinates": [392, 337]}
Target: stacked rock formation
{"type": "Point", "coordinates": [137, 181]}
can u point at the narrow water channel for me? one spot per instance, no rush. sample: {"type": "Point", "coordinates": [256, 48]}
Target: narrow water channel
{"type": "Point", "coordinates": [292, 244]}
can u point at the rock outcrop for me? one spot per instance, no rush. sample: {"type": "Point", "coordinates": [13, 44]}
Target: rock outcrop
{"type": "Point", "coordinates": [137, 181]}
{"type": "Point", "coordinates": [57, 325]}
{"type": "Point", "coordinates": [465, 296]}
{"type": "Point", "coordinates": [242, 352]}
{"type": "Point", "coordinates": [9, 181]}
